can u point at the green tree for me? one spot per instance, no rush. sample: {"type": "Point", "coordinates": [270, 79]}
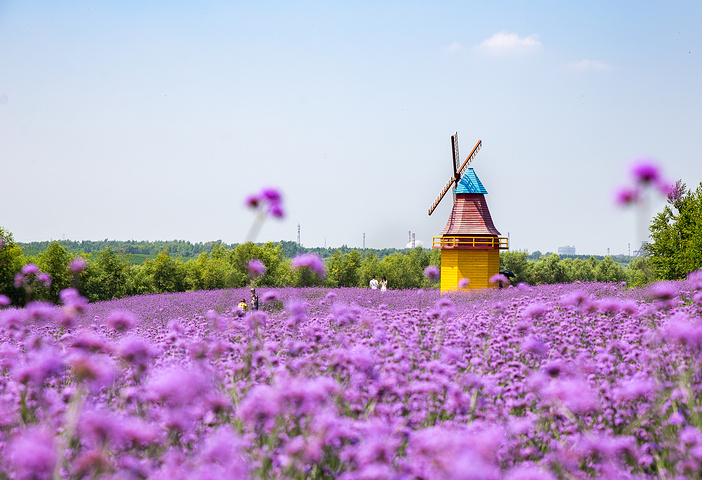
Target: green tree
{"type": "Point", "coordinates": [517, 263]}
{"type": "Point", "coordinates": [549, 269]}
{"type": "Point", "coordinates": [106, 276]}
{"type": "Point", "coordinates": [167, 274]}
{"type": "Point", "coordinates": [639, 272]}
{"type": "Point", "coordinates": [342, 269]}
{"type": "Point", "coordinates": [370, 265]}
{"type": "Point", "coordinates": [54, 261]}
{"type": "Point", "coordinates": [609, 271]}
{"type": "Point", "coordinates": [273, 258]}
{"type": "Point", "coordinates": [676, 233]}
{"type": "Point", "coordinates": [583, 270]}
{"type": "Point", "coordinates": [11, 261]}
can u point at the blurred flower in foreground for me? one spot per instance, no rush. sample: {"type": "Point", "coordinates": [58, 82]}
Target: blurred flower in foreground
{"type": "Point", "coordinates": [463, 282]}
{"type": "Point", "coordinates": [432, 272]}
{"type": "Point", "coordinates": [499, 279]}
{"type": "Point", "coordinates": [77, 265]}
{"type": "Point", "coordinates": [256, 268]}
{"type": "Point", "coordinates": [646, 174]}
{"type": "Point", "coordinates": [311, 261]}
{"type": "Point", "coordinates": [32, 454]}
{"type": "Point", "coordinates": [269, 202]}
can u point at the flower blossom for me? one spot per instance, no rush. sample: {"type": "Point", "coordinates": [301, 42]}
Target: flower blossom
{"type": "Point", "coordinates": [311, 261]}
{"type": "Point", "coordinates": [432, 272]}
{"type": "Point", "coordinates": [256, 268]}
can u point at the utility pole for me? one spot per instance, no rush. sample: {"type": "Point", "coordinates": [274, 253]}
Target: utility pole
{"type": "Point", "coordinates": [298, 235]}
{"type": "Point", "coordinates": [364, 241]}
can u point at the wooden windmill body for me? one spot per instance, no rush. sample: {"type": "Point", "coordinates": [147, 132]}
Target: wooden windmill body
{"type": "Point", "coordinates": [470, 244]}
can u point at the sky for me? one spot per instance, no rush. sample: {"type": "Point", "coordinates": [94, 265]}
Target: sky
{"type": "Point", "coordinates": [156, 120]}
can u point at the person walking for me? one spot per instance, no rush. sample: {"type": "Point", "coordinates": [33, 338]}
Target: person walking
{"type": "Point", "coordinates": [383, 284]}
{"type": "Point", "coordinates": [374, 283]}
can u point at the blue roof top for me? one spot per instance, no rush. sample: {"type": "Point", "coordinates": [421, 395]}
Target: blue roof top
{"type": "Point", "coordinates": [470, 183]}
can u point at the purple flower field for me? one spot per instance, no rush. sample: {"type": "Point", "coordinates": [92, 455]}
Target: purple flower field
{"type": "Point", "coordinates": [552, 382]}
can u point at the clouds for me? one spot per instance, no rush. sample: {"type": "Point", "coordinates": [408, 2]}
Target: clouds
{"type": "Point", "coordinates": [589, 65]}
{"type": "Point", "coordinates": [504, 43]}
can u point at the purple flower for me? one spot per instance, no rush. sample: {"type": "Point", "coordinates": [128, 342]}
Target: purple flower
{"type": "Point", "coordinates": [76, 265]}
{"type": "Point", "coordinates": [272, 195]}
{"type": "Point", "coordinates": [30, 269]}
{"type": "Point", "coordinates": [529, 472]}
{"type": "Point", "coordinates": [433, 273]}
{"type": "Point", "coordinates": [137, 352]}
{"type": "Point", "coordinates": [574, 394]}
{"type": "Point", "coordinates": [276, 211]}
{"type": "Point", "coordinates": [534, 346]}
{"type": "Point", "coordinates": [676, 191]}
{"type": "Point", "coordinates": [269, 296]}
{"type": "Point", "coordinates": [252, 201]}
{"type": "Point", "coordinates": [463, 282]}
{"type": "Point", "coordinates": [645, 171]}
{"type": "Point", "coordinates": [72, 300]}
{"type": "Point", "coordinates": [96, 371]}
{"type": "Point", "coordinates": [499, 278]}
{"type": "Point", "coordinates": [44, 278]}
{"type": "Point", "coordinates": [32, 454]}
{"type": "Point", "coordinates": [311, 261]}
{"type": "Point", "coordinates": [39, 365]}
{"type": "Point", "coordinates": [2, 243]}
{"type": "Point", "coordinates": [626, 196]}
{"type": "Point", "coordinates": [121, 320]}
{"type": "Point", "coordinates": [256, 267]}
{"type": "Point", "coordinates": [270, 198]}
{"type": "Point", "coordinates": [4, 300]}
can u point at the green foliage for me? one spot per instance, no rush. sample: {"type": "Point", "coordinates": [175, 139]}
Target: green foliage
{"type": "Point", "coordinates": [54, 261]}
{"type": "Point", "coordinates": [106, 276]}
{"type": "Point", "coordinates": [11, 261]}
{"type": "Point", "coordinates": [517, 263]}
{"type": "Point", "coordinates": [277, 268]}
{"type": "Point", "coordinates": [639, 272]}
{"type": "Point", "coordinates": [370, 265]}
{"type": "Point", "coordinates": [676, 232]}
{"type": "Point", "coordinates": [609, 271]}
{"type": "Point", "coordinates": [165, 273]}
{"type": "Point", "coordinates": [549, 269]}
{"type": "Point", "coordinates": [343, 269]}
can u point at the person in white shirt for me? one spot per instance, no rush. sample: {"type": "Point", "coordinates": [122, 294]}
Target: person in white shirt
{"type": "Point", "coordinates": [383, 284]}
{"type": "Point", "coordinates": [374, 283]}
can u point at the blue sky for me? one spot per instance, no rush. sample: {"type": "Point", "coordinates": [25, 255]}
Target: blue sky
{"type": "Point", "coordinates": [154, 121]}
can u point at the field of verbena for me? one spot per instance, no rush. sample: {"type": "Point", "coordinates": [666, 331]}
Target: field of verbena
{"type": "Point", "coordinates": [560, 381]}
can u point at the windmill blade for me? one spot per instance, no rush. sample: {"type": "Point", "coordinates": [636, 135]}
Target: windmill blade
{"type": "Point", "coordinates": [456, 155]}
{"type": "Point", "coordinates": [441, 195]}
{"type": "Point", "coordinates": [470, 158]}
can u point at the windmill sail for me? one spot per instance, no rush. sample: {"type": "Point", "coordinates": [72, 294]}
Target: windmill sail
{"type": "Point", "coordinates": [457, 171]}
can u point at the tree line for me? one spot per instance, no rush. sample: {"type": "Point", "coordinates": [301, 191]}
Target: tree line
{"type": "Point", "coordinates": [141, 250]}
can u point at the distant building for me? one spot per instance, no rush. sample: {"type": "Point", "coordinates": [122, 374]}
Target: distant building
{"type": "Point", "coordinates": [567, 250]}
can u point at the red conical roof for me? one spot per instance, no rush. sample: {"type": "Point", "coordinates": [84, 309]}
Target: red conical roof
{"type": "Point", "coordinates": [470, 216]}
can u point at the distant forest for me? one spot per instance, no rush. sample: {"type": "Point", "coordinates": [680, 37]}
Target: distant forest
{"type": "Point", "coordinates": [141, 251]}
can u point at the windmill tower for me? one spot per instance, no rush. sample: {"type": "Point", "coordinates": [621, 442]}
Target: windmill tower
{"type": "Point", "coordinates": [470, 244]}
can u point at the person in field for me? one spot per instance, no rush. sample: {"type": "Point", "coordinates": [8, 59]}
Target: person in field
{"type": "Point", "coordinates": [383, 284]}
{"type": "Point", "coordinates": [374, 283]}
{"type": "Point", "coordinates": [243, 306]}
{"type": "Point", "coordinates": [254, 299]}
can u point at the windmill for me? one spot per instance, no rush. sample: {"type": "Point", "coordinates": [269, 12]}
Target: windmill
{"type": "Point", "coordinates": [470, 244]}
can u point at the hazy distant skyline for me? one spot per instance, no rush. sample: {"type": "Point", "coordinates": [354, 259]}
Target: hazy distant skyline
{"type": "Point", "coordinates": [154, 121]}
